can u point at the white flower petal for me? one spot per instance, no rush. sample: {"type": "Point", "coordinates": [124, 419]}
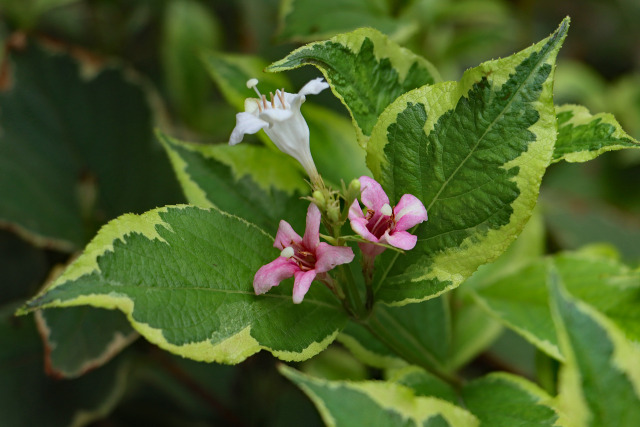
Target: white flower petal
{"type": "Point", "coordinates": [314, 87]}
{"type": "Point", "coordinates": [245, 123]}
{"type": "Point", "coordinates": [275, 115]}
{"type": "Point", "coordinates": [251, 105]}
{"type": "Point", "coordinates": [293, 100]}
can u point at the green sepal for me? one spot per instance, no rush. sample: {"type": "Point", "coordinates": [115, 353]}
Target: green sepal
{"type": "Point", "coordinates": [583, 136]}
{"type": "Point", "coordinates": [183, 276]}
{"type": "Point", "coordinates": [474, 152]}
{"type": "Point", "coordinates": [349, 60]}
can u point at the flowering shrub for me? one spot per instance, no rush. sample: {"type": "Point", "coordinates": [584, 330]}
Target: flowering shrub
{"type": "Point", "coordinates": [413, 283]}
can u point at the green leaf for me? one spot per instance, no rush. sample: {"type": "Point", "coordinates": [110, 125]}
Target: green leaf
{"type": "Point", "coordinates": [424, 384]}
{"type": "Point", "coordinates": [599, 280]}
{"type": "Point", "coordinates": [300, 20]}
{"type": "Point", "coordinates": [369, 349]}
{"type": "Point", "coordinates": [472, 333]}
{"type": "Point", "coordinates": [242, 180]}
{"type": "Point", "coordinates": [376, 403]}
{"type": "Point", "coordinates": [504, 400]}
{"type": "Point", "coordinates": [76, 149]}
{"type": "Point", "coordinates": [583, 136]}
{"type": "Point", "coordinates": [79, 339]}
{"type": "Point", "coordinates": [188, 27]}
{"type": "Point", "coordinates": [334, 150]}
{"type": "Point", "coordinates": [29, 398]}
{"type": "Point", "coordinates": [474, 153]}
{"type": "Point", "coordinates": [600, 381]}
{"type": "Point", "coordinates": [348, 62]}
{"type": "Point", "coordinates": [473, 328]}
{"type": "Point", "coordinates": [183, 276]}
{"type": "Point", "coordinates": [403, 330]}
{"type": "Point", "coordinates": [335, 363]}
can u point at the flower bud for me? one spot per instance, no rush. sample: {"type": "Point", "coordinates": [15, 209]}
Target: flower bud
{"type": "Point", "coordinates": [319, 200]}
{"type": "Point", "coordinates": [354, 186]}
{"type": "Point", "coordinates": [333, 213]}
{"type": "Point", "coordinates": [353, 191]}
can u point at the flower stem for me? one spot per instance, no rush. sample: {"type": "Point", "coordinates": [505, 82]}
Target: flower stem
{"type": "Point", "coordinates": [352, 302]}
{"type": "Point", "coordinates": [367, 272]}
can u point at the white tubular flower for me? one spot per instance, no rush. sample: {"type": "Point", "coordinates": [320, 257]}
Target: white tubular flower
{"type": "Point", "coordinates": [281, 119]}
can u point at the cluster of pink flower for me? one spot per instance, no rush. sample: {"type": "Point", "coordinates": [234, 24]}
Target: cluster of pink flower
{"type": "Point", "coordinates": [306, 258]}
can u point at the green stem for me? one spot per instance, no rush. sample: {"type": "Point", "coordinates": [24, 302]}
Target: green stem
{"type": "Point", "coordinates": [353, 301]}
{"type": "Point", "coordinates": [367, 272]}
{"type": "Point", "coordinates": [408, 349]}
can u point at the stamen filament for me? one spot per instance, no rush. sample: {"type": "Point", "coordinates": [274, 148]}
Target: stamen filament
{"type": "Point", "coordinates": [253, 84]}
{"type": "Point", "coordinates": [280, 94]}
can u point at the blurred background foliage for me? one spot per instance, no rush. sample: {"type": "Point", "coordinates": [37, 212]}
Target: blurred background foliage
{"type": "Point", "coordinates": [156, 78]}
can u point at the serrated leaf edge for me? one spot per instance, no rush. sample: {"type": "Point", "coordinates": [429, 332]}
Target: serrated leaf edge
{"type": "Point", "coordinates": [383, 48]}
{"type": "Point", "coordinates": [582, 116]}
{"type": "Point", "coordinates": [539, 150]}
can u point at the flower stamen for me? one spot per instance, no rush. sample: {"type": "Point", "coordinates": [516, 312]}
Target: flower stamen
{"type": "Point", "coordinates": [280, 95]}
{"type": "Point", "coordinates": [253, 84]}
{"type": "Point", "coordinates": [287, 252]}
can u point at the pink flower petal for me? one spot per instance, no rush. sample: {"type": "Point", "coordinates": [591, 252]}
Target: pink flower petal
{"type": "Point", "coordinates": [372, 194]}
{"type": "Point", "coordinates": [400, 239]}
{"type": "Point", "coordinates": [312, 232]}
{"type": "Point", "coordinates": [272, 274]}
{"type": "Point", "coordinates": [301, 284]}
{"type": "Point", "coordinates": [245, 123]}
{"type": "Point", "coordinates": [327, 256]}
{"type": "Point", "coordinates": [359, 222]}
{"type": "Point", "coordinates": [409, 212]}
{"type": "Point", "coordinates": [355, 211]}
{"type": "Point", "coordinates": [371, 250]}
{"type": "Point", "coordinates": [286, 236]}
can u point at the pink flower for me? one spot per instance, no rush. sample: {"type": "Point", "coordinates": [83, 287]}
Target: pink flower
{"type": "Point", "coordinates": [381, 224]}
{"type": "Point", "coordinates": [303, 258]}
